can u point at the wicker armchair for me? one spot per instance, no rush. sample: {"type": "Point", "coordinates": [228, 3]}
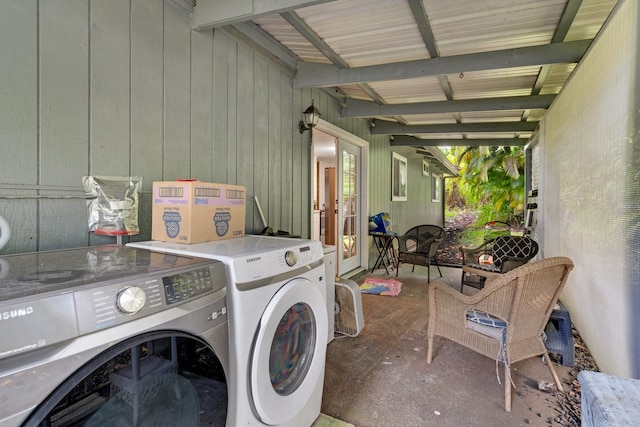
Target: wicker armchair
{"type": "Point", "coordinates": [495, 257]}
{"type": "Point", "coordinates": [505, 319]}
{"type": "Point", "coordinates": [419, 245]}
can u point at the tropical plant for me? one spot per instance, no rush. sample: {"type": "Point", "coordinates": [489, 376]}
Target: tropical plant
{"type": "Point", "coordinates": [491, 181]}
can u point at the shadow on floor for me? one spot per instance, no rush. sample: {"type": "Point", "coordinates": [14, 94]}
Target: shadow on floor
{"type": "Point", "coordinates": [381, 378]}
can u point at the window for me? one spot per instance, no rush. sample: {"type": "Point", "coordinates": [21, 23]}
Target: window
{"type": "Point", "coordinates": [436, 188]}
{"type": "Point", "coordinates": [398, 178]}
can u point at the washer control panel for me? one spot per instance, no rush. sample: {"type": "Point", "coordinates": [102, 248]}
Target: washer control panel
{"type": "Point", "coordinates": [117, 303]}
{"type": "Point", "coordinates": [290, 258]}
{"type": "Point", "coordinates": [272, 263]}
{"type": "Point", "coordinates": [182, 286]}
{"type": "Point", "coordinates": [39, 321]}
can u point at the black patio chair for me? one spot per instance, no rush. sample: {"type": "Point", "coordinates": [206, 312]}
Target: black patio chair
{"type": "Point", "coordinates": [419, 245]}
{"type": "Point", "coordinates": [495, 257]}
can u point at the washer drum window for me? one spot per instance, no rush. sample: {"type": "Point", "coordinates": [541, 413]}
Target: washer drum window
{"type": "Point", "coordinates": [292, 349]}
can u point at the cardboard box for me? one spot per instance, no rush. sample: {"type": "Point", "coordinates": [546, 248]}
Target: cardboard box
{"type": "Point", "coordinates": [194, 212]}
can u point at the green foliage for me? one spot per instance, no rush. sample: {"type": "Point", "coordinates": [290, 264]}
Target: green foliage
{"type": "Point", "coordinates": [491, 182]}
{"type": "Point", "coordinates": [472, 237]}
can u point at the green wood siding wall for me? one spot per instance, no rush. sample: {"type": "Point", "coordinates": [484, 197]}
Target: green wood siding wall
{"type": "Point", "coordinates": [127, 88]}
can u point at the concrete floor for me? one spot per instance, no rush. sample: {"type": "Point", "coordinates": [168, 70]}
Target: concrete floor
{"type": "Point", "coordinates": [381, 378]}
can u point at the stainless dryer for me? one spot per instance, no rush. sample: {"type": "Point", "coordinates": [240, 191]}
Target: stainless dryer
{"type": "Point", "coordinates": [112, 335]}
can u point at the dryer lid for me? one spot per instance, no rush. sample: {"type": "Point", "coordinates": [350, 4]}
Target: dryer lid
{"type": "Point", "coordinates": [36, 273]}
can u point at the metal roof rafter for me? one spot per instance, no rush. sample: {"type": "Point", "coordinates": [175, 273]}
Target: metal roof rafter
{"type": "Point", "coordinates": [411, 141]}
{"type": "Point", "coordinates": [322, 75]}
{"type": "Point", "coordinates": [308, 33]}
{"type": "Point", "coordinates": [568, 16]}
{"type": "Point", "coordinates": [358, 108]}
{"type": "Point", "coordinates": [393, 128]}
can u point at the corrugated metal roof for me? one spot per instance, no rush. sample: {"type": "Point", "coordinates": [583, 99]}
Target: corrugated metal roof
{"type": "Point", "coordinates": [355, 92]}
{"type": "Point", "coordinates": [463, 26]}
{"type": "Point", "coordinates": [589, 19]}
{"type": "Point", "coordinates": [284, 32]}
{"type": "Point", "coordinates": [557, 78]}
{"type": "Point", "coordinates": [494, 83]}
{"type": "Point", "coordinates": [371, 33]}
{"type": "Point", "coordinates": [425, 89]}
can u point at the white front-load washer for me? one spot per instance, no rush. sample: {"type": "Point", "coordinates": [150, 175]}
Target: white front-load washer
{"type": "Point", "coordinates": [277, 326]}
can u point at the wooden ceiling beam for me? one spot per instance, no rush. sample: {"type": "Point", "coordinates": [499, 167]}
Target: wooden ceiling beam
{"type": "Point", "coordinates": [393, 128]}
{"type": "Point", "coordinates": [359, 108]}
{"type": "Point", "coordinates": [321, 75]}
{"type": "Point", "coordinates": [411, 141]}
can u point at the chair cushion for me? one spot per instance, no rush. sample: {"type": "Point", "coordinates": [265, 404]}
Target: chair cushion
{"type": "Point", "coordinates": [484, 318]}
{"type": "Point", "coordinates": [492, 327]}
{"type": "Point", "coordinates": [511, 246]}
{"type": "Point", "coordinates": [486, 324]}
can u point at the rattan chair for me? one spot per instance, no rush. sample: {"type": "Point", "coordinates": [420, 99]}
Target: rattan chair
{"type": "Point", "coordinates": [419, 246]}
{"type": "Point", "coordinates": [505, 320]}
{"type": "Point", "coordinates": [494, 257]}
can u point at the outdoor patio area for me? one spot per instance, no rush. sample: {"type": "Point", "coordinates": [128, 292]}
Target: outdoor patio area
{"type": "Point", "coordinates": [381, 377]}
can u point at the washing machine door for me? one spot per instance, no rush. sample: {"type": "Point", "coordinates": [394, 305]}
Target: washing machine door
{"type": "Point", "coordinates": [288, 359]}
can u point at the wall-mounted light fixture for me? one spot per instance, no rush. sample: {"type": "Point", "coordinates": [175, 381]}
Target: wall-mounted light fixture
{"type": "Point", "coordinates": [310, 118]}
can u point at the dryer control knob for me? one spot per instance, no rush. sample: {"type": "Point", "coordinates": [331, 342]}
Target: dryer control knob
{"type": "Point", "coordinates": [131, 299]}
{"type": "Point", "coordinates": [290, 258]}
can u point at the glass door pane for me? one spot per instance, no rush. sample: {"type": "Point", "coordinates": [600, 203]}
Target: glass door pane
{"type": "Point", "coordinates": [349, 203]}
{"type": "Point", "coordinates": [349, 176]}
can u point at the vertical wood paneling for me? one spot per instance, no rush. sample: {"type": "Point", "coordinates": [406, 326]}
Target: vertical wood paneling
{"type": "Point", "coordinates": [62, 223]}
{"type": "Point", "coordinates": [109, 68]}
{"type": "Point", "coordinates": [147, 109]}
{"type": "Point", "coordinates": [245, 126]}
{"type": "Point", "coordinates": [290, 116]}
{"type": "Point", "coordinates": [232, 114]}
{"type": "Point", "coordinates": [261, 130]}
{"type": "Point", "coordinates": [297, 181]}
{"type": "Point", "coordinates": [291, 138]}
{"type": "Point", "coordinates": [147, 91]}
{"type": "Point", "coordinates": [64, 128]}
{"type": "Point", "coordinates": [19, 85]}
{"type": "Point", "coordinates": [418, 208]}
{"type": "Point", "coordinates": [128, 89]}
{"type": "Point", "coordinates": [291, 108]}
{"type": "Point", "coordinates": [221, 64]}
{"type": "Point", "coordinates": [109, 94]}
{"type": "Point", "coordinates": [177, 91]}
{"type": "Point", "coordinates": [201, 105]}
{"type": "Point", "coordinates": [271, 208]}
{"type": "Point", "coordinates": [18, 120]}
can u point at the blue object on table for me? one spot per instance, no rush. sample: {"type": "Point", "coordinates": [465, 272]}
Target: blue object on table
{"type": "Point", "coordinates": [380, 223]}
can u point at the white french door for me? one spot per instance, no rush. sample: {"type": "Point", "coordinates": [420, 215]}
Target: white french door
{"type": "Point", "coordinates": [349, 241]}
{"type": "Point", "coordinates": [347, 203]}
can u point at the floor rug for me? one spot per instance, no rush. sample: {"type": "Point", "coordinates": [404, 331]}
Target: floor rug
{"type": "Point", "coordinates": [388, 287]}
